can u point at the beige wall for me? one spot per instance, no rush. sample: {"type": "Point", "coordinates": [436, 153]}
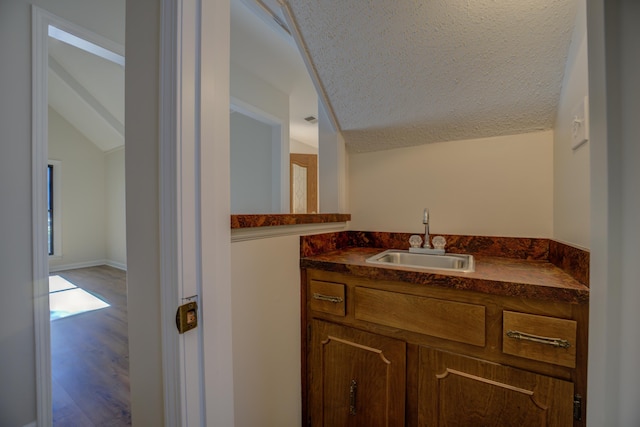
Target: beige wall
{"type": "Point", "coordinates": [116, 233]}
{"type": "Point", "coordinates": [571, 218]}
{"type": "Point", "coordinates": [92, 197]}
{"type": "Point", "coordinates": [493, 186]}
{"type": "Point", "coordinates": [296, 146]}
{"type": "Point", "coordinates": [83, 195]}
{"type": "Point", "coordinates": [266, 331]}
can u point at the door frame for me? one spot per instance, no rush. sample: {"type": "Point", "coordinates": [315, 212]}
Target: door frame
{"type": "Point", "coordinates": [181, 354]}
{"type": "Point", "coordinates": [40, 21]}
{"type": "Point", "coordinates": [195, 184]}
{"type": "Point", "coordinates": [193, 181]}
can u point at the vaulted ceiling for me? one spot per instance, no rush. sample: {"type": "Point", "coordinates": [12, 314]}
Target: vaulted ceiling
{"type": "Point", "coordinates": [393, 73]}
{"type": "Point", "coordinates": [88, 91]}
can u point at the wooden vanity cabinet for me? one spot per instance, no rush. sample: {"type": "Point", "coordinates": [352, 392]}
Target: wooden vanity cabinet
{"type": "Point", "coordinates": [399, 354]}
{"type": "Point", "coordinates": [356, 378]}
{"type": "Point", "coordinates": [455, 390]}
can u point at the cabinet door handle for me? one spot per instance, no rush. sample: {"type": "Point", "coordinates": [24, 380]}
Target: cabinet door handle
{"type": "Point", "coordinates": [556, 342]}
{"type": "Point", "coordinates": [353, 391]}
{"type": "Point", "coordinates": [330, 298]}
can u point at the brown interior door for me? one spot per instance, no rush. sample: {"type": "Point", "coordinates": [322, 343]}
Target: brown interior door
{"type": "Point", "coordinates": [303, 183]}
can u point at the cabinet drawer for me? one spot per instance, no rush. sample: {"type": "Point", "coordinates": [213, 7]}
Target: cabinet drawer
{"type": "Point", "coordinates": [547, 339]}
{"type": "Point", "coordinates": [327, 297]}
{"type": "Point", "coordinates": [450, 320]}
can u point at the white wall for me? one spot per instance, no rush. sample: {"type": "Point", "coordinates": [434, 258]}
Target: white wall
{"type": "Point", "coordinates": [142, 199]}
{"type": "Point", "coordinates": [301, 148]}
{"type": "Point", "coordinates": [250, 89]}
{"type": "Point", "coordinates": [266, 331]}
{"type": "Point", "coordinates": [251, 169]}
{"type": "Point", "coordinates": [82, 177]}
{"type": "Point", "coordinates": [17, 351]}
{"type": "Point", "coordinates": [333, 166]}
{"type": "Point", "coordinates": [115, 209]}
{"type": "Point", "coordinates": [614, 341]}
{"type": "Point", "coordinates": [261, 100]}
{"type": "Point", "coordinates": [627, 200]}
{"type": "Point", "coordinates": [571, 218]}
{"type": "Point", "coordinates": [493, 186]}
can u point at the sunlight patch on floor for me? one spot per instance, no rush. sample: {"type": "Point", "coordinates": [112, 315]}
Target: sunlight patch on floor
{"type": "Point", "coordinates": [66, 299]}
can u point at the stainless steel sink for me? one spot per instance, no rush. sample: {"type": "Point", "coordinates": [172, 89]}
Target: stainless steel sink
{"type": "Point", "coordinates": [402, 258]}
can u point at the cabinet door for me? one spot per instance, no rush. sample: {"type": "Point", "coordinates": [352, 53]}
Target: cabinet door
{"type": "Point", "coordinates": [460, 391]}
{"type": "Point", "coordinates": [355, 378]}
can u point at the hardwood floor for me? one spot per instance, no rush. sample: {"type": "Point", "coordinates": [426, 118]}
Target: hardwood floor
{"type": "Point", "coordinates": [90, 355]}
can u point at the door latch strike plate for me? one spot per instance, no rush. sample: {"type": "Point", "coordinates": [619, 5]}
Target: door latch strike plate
{"type": "Point", "coordinates": [187, 317]}
{"type": "Point", "coordinates": [577, 407]}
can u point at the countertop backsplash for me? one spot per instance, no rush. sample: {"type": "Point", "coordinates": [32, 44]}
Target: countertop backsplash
{"type": "Point", "coordinates": [574, 261]}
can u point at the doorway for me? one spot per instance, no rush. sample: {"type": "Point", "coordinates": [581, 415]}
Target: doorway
{"type": "Point", "coordinates": [303, 172]}
{"type": "Point", "coordinates": [87, 236]}
{"type": "Point", "coordinates": [78, 175]}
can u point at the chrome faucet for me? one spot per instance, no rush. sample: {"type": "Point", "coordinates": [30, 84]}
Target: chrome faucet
{"type": "Point", "coordinates": [425, 221]}
{"type": "Point", "coordinates": [427, 248]}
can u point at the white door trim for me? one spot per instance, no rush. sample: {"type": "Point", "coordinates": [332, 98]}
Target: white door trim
{"type": "Point", "coordinates": [169, 293]}
{"type": "Point", "coordinates": [39, 155]}
{"type": "Point", "coordinates": [41, 20]}
{"type": "Point", "coordinates": [179, 210]}
{"type": "Point", "coordinates": [214, 53]}
{"type": "Point", "coordinates": [194, 210]}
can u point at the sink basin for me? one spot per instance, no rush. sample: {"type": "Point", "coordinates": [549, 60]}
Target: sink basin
{"type": "Point", "coordinates": [401, 258]}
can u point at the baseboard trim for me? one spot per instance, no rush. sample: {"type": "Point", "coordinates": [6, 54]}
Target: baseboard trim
{"type": "Point", "coordinates": [73, 266]}
{"type": "Point", "coordinates": [85, 264]}
{"type": "Point", "coordinates": [119, 265]}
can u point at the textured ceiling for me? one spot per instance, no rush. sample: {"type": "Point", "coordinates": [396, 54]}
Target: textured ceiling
{"type": "Point", "coordinates": [401, 73]}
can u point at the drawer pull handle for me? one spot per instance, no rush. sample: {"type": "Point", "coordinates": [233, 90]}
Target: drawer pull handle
{"type": "Point", "coordinates": [353, 390]}
{"type": "Point", "coordinates": [556, 342]}
{"type": "Point", "coordinates": [336, 300]}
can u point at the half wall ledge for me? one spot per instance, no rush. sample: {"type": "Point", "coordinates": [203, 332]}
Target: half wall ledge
{"type": "Point", "coordinates": [273, 220]}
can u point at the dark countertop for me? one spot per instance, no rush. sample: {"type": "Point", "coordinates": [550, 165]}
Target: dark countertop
{"type": "Point", "coordinates": [274, 220]}
{"type": "Point", "coordinates": [525, 278]}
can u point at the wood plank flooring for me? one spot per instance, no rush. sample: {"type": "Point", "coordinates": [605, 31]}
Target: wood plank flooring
{"type": "Point", "coordinates": [90, 355]}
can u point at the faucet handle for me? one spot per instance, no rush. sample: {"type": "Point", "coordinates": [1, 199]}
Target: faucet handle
{"type": "Point", "coordinates": [415, 241]}
{"type": "Point", "coordinates": [438, 242]}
